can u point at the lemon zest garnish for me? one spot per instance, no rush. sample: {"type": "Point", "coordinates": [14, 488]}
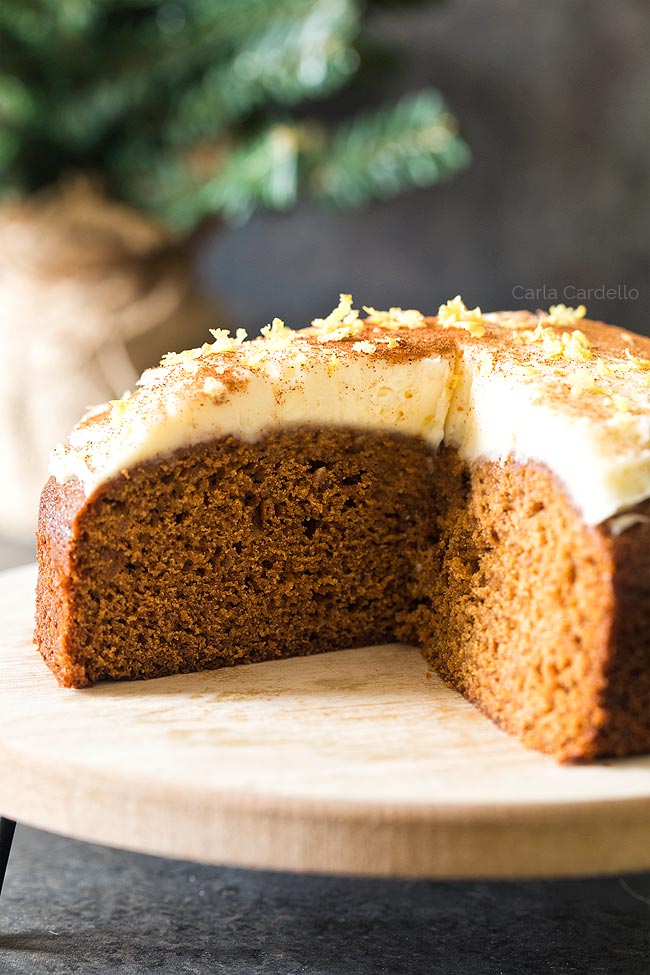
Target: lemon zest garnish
{"type": "Point", "coordinates": [176, 358]}
{"type": "Point", "coordinates": [342, 322]}
{"type": "Point", "coordinates": [475, 330]}
{"type": "Point", "coordinates": [564, 315]}
{"type": "Point", "coordinates": [576, 345]}
{"type": "Point", "coordinates": [395, 318]}
{"type": "Point", "coordinates": [642, 364]}
{"type": "Point", "coordinates": [222, 343]}
{"type": "Point", "coordinates": [583, 381]}
{"type": "Point", "coordinates": [333, 364]}
{"type": "Point", "coordinates": [622, 403]}
{"type": "Point", "coordinates": [222, 340]}
{"type": "Point", "coordinates": [454, 313]}
{"type": "Point", "coordinates": [120, 408]}
{"type": "Point", "coordinates": [544, 336]}
{"type": "Point", "coordinates": [277, 335]}
{"type": "Point", "coordinates": [572, 345]}
{"type": "Point", "coordinates": [551, 345]}
{"type": "Point", "coordinates": [603, 369]}
{"type": "Point", "coordinates": [122, 404]}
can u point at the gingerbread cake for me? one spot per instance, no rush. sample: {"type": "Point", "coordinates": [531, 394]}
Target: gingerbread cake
{"type": "Point", "coordinates": [477, 484]}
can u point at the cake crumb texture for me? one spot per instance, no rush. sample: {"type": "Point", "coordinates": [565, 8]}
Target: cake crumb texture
{"type": "Point", "coordinates": [314, 539]}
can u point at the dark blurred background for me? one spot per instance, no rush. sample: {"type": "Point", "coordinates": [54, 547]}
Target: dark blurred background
{"type": "Point", "coordinates": [553, 99]}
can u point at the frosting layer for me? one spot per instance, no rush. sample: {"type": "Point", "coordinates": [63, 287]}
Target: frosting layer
{"type": "Point", "coordinates": [493, 386]}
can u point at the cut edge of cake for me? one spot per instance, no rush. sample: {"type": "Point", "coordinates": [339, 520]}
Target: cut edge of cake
{"type": "Point", "coordinates": [591, 381]}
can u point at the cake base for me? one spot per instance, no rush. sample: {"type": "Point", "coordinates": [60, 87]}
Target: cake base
{"type": "Point", "coordinates": [348, 762]}
{"type": "Point", "coordinates": [311, 539]}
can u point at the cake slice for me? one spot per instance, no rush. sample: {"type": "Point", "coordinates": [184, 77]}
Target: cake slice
{"type": "Point", "coordinates": [478, 484]}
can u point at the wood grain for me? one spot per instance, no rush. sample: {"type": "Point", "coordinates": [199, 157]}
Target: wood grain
{"type": "Point", "coordinates": [349, 762]}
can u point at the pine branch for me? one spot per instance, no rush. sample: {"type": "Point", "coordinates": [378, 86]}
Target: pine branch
{"type": "Point", "coordinates": [292, 59]}
{"type": "Point", "coordinates": [231, 181]}
{"type": "Point", "coordinates": [9, 148]}
{"type": "Point", "coordinates": [16, 110]}
{"type": "Point", "coordinates": [73, 17]}
{"type": "Point", "coordinates": [144, 64]}
{"type": "Point", "coordinates": [175, 104]}
{"type": "Point", "coordinates": [16, 104]}
{"type": "Point", "coordinates": [400, 4]}
{"type": "Point", "coordinates": [25, 22]}
{"type": "Point", "coordinates": [263, 172]}
{"type": "Point", "coordinates": [378, 154]}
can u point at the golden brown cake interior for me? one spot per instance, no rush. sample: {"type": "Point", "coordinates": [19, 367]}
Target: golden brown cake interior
{"type": "Point", "coordinates": [317, 539]}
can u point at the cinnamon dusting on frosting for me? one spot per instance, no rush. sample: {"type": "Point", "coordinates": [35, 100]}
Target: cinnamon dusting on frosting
{"type": "Point", "coordinates": [584, 390]}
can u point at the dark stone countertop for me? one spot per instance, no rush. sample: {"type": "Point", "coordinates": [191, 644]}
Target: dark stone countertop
{"type": "Point", "coordinates": [69, 907]}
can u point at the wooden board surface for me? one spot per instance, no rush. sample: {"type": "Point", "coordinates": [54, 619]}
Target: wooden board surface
{"type": "Point", "coordinates": [348, 762]}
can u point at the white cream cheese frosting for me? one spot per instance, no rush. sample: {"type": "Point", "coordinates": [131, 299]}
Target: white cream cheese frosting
{"type": "Point", "coordinates": [506, 385]}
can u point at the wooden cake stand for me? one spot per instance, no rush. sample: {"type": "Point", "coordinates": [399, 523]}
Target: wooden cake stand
{"type": "Point", "coordinates": [348, 762]}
